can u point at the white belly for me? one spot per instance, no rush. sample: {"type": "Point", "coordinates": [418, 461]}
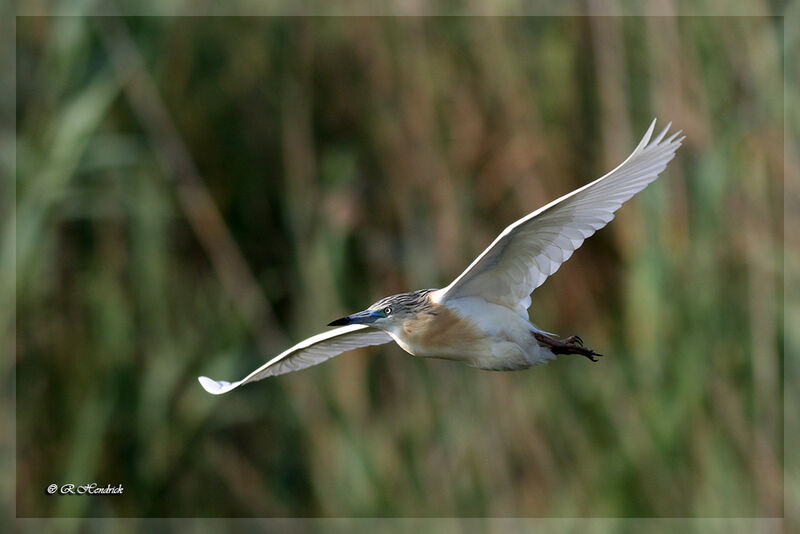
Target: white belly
{"type": "Point", "coordinates": [511, 335]}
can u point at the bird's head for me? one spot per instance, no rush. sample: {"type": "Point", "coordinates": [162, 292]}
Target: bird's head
{"type": "Point", "coordinates": [390, 312]}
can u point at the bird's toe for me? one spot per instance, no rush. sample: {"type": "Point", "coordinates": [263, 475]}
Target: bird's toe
{"type": "Point", "coordinates": [573, 340]}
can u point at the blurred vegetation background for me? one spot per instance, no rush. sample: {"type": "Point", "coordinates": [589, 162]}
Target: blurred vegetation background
{"type": "Point", "coordinates": [195, 194]}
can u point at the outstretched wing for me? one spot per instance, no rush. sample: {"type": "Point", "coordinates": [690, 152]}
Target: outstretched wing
{"type": "Point", "coordinates": [312, 351]}
{"type": "Point", "coordinates": [534, 247]}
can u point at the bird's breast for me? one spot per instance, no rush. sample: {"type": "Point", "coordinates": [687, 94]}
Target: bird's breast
{"type": "Point", "coordinates": [441, 333]}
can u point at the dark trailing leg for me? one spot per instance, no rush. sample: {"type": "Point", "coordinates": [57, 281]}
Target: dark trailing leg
{"type": "Point", "coordinates": [570, 345]}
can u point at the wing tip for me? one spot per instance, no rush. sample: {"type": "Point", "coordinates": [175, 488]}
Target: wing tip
{"type": "Point", "coordinates": [661, 135]}
{"type": "Point", "coordinates": [675, 138]}
{"type": "Point", "coordinates": [646, 139]}
{"type": "Point", "coordinates": [215, 387]}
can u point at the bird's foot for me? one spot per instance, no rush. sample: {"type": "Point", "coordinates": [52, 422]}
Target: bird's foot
{"type": "Point", "coordinates": [570, 345]}
{"type": "Point", "coordinates": [573, 340]}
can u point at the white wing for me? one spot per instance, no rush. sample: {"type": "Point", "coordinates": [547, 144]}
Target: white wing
{"type": "Point", "coordinates": [534, 247]}
{"type": "Point", "coordinates": [312, 351]}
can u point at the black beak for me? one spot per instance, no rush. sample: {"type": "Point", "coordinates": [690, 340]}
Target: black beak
{"type": "Point", "coordinates": [340, 322]}
{"type": "Point", "coordinates": [362, 317]}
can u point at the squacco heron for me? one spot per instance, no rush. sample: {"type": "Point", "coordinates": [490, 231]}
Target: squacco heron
{"type": "Point", "coordinates": [481, 318]}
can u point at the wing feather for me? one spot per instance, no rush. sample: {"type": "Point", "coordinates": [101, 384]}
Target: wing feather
{"type": "Point", "coordinates": [311, 351]}
{"type": "Point", "coordinates": [535, 246]}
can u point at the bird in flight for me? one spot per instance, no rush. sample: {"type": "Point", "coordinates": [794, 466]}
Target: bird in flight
{"type": "Point", "coordinates": [481, 318]}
